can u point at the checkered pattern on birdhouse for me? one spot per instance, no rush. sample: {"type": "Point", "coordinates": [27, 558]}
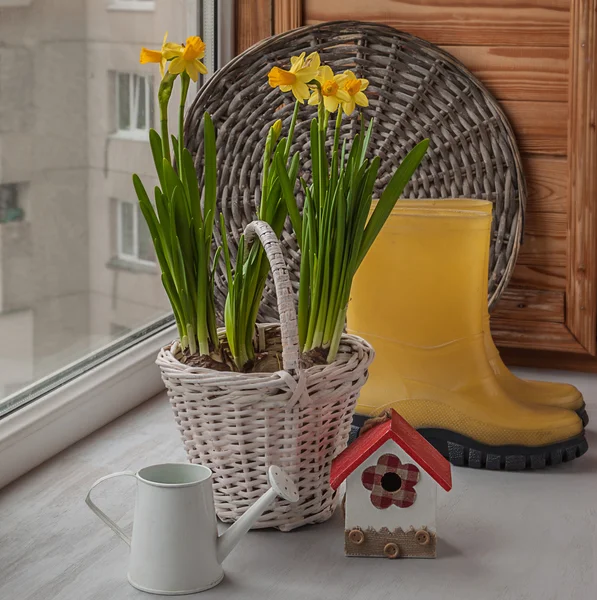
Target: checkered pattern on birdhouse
{"type": "Point", "coordinates": [385, 488]}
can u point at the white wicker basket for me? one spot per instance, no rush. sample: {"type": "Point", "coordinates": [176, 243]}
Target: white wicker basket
{"type": "Point", "coordinates": [238, 424]}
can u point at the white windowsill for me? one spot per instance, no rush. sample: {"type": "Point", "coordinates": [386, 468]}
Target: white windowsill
{"type": "Point", "coordinates": [131, 136]}
{"type": "Point", "coordinates": [133, 265]}
{"type": "Point", "coordinates": [132, 6]}
{"type": "Point", "coordinates": [70, 412]}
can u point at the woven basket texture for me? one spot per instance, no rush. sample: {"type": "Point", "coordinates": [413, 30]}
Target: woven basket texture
{"type": "Point", "coordinates": [238, 424]}
{"type": "Point", "coordinates": [416, 90]}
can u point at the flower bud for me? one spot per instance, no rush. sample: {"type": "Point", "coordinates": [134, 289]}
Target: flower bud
{"type": "Point", "coordinates": [277, 129]}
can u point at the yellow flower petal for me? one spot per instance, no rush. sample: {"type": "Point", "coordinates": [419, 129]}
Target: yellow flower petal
{"type": "Point", "coordinates": [201, 67]}
{"type": "Point", "coordinates": [331, 103]}
{"type": "Point", "coordinates": [352, 86]}
{"type": "Point", "coordinates": [296, 62]}
{"type": "Point", "coordinates": [191, 69]}
{"type": "Point", "coordinates": [194, 48]}
{"type": "Point", "coordinates": [326, 73]}
{"type": "Point", "coordinates": [300, 90]}
{"type": "Point", "coordinates": [313, 60]}
{"type": "Point", "coordinates": [349, 106]}
{"type": "Point", "coordinates": [340, 79]}
{"type": "Point", "coordinates": [277, 77]}
{"type": "Point", "coordinates": [171, 50]}
{"type": "Point", "coordinates": [364, 84]}
{"type": "Point", "coordinates": [361, 99]}
{"type": "Point", "coordinates": [314, 99]}
{"type": "Point", "coordinates": [343, 96]}
{"type": "Point", "coordinates": [177, 66]}
{"type": "Point", "coordinates": [150, 56]}
{"type": "Point", "coordinates": [285, 88]}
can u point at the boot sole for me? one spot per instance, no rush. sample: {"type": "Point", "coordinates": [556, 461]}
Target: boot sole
{"type": "Point", "coordinates": [463, 451]}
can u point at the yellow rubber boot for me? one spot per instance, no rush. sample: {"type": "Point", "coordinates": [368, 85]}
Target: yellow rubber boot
{"type": "Point", "coordinates": [561, 395]}
{"type": "Point", "coordinates": [419, 298]}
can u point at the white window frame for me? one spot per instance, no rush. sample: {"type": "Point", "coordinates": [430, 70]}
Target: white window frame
{"type": "Point", "coordinates": [57, 411]}
{"type": "Point", "coordinates": [133, 5]}
{"type": "Point", "coordinates": [122, 255]}
{"type": "Point", "coordinates": [133, 133]}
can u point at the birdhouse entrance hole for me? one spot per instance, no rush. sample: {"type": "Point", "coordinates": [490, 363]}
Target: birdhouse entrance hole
{"type": "Point", "coordinates": [391, 482]}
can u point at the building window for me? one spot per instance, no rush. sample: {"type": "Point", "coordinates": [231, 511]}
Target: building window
{"type": "Point", "coordinates": [134, 239]}
{"type": "Point", "coordinates": [134, 104]}
{"type": "Point", "coordinates": [132, 5]}
{"type": "Point", "coordinates": [10, 205]}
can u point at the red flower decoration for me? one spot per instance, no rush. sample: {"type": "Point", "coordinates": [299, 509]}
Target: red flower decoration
{"type": "Point", "coordinates": [391, 482]}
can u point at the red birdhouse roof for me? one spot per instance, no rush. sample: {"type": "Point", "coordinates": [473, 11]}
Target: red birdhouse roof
{"type": "Point", "coordinates": [412, 442]}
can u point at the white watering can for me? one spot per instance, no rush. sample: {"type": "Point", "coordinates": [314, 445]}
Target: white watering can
{"type": "Point", "coordinates": [175, 548]}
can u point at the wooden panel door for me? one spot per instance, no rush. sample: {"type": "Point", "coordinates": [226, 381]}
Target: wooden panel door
{"type": "Point", "coordinates": [538, 59]}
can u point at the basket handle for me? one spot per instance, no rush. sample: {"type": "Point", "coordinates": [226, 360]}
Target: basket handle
{"type": "Point", "coordinates": [284, 293]}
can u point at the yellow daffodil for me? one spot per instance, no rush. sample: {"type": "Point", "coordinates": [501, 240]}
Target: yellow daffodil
{"type": "Point", "coordinates": [187, 58]}
{"type": "Point", "coordinates": [354, 88]}
{"type": "Point", "coordinates": [331, 90]}
{"type": "Point", "coordinates": [162, 56]}
{"type": "Point", "coordinates": [302, 71]}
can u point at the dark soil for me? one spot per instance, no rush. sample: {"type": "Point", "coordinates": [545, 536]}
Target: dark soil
{"type": "Point", "coordinates": [204, 361]}
{"type": "Point", "coordinates": [317, 356]}
{"type": "Point", "coordinates": [264, 362]}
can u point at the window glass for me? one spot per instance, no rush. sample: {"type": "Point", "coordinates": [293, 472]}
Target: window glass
{"type": "Point", "coordinates": [123, 92]}
{"type": "Point", "coordinates": [145, 249]}
{"type": "Point", "coordinates": [75, 109]}
{"type": "Point", "coordinates": [127, 229]}
{"type": "Point", "coordinates": [141, 100]}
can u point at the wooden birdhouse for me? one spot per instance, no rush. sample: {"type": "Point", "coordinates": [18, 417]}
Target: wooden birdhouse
{"type": "Point", "coordinates": [391, 474]}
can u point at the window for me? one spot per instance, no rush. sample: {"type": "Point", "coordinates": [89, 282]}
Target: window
{"type": "Point", "coordinates": [132, 5]}
{"type": "Point", "coordinates": [134, 104]}
{"type": "Point", "coordinates": [134, 239]}
{"type": "Point", "coordinates": [10, 206]}
{"type": "Point", "coordinates": [81, 335]}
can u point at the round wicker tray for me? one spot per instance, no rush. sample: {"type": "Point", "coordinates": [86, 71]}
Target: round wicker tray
{"type": "Point", "coordinates": [416, 90]}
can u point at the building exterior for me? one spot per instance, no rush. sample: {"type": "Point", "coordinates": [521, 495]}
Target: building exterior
{"type": "Point", "coordinates": [76, 264]}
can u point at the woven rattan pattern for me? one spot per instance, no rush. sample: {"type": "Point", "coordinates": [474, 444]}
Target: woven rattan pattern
{"type": "Point", "coordinates": [416, 90]}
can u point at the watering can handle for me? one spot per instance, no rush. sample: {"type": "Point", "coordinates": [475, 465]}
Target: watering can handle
{"type": "Point", "coordinates": [100, 513]}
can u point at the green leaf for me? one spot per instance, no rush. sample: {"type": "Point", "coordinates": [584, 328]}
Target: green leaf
{"type": "Point", "coordinates": [288, 194]}
{"type": "Point", "coordinates": [155, 142]}
{"type": "Point", "coordinates": [192, 187]}
{"type": "Point", "coordinates": [210, 174]}
{"type": "Point", "coordinates": [171, 179]}
{"type": "Point", "coordinates": [175, 148]}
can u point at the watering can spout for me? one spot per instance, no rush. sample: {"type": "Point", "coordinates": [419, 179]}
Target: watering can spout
{"type": "Point", "coordinates": [281, 485]}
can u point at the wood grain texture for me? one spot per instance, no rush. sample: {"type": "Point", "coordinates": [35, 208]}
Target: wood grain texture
{"type": "Point", "coordinates": [545, 240]}
{"type": "Point", "coordinates": [466, 22]}
{"type": "Point", "coordinates": [547, 183]}
{"type": "Point", "coordinates": [540, 127]}
{"type": "Point", "coordinates": [253, 22]}
{"type": "Point", "coordinates": [546, 277]}
{"type": "Point", "coordinates": [530, 305]}
{"type": "Point", "coordinates": [288, 14]}
{"type": "Point", "coordinates": [518, 72]}
{"type": "Point", "coordinates": [533, 335]}
{"type": "Point", "coordinates": [581, 309]}
{"type": "Point", "coordinates": [515, 357]}
{"type": "Point", "coordinates": [54, 548]}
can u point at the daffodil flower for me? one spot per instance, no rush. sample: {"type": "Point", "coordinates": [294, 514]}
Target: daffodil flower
{"type": "Point", "coordinates": [302, 71]}
{"type": "Point", "coordinates": [354, 88]}
{"type": "Point", "coordinates": [330, 87]}
{"type": "Point", "coordinates": [169, 49]}
{"type": "Point", "coordinates": [187, 58]}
